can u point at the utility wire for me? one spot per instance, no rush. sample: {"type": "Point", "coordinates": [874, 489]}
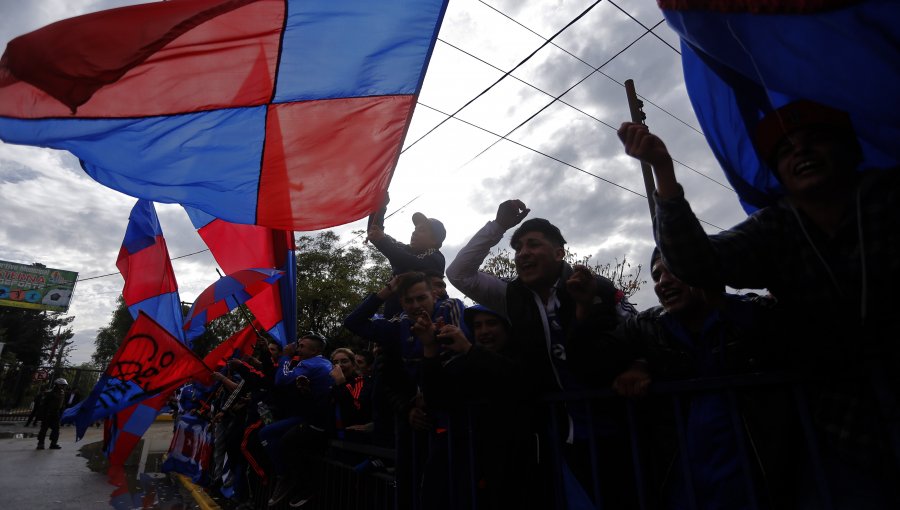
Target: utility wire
{"type": "Point", "coordinates": [645, 27]}
{"type": "Point", "coordinates": [507, 73]}
{"type": "Point", "coordinates": [633, 192]}
{"type": "Point", "coordinates": [579, 110]}
{"type": "Point", "coordinates": [113, 274]}
{"type": "Point", "coordinates": [556, 98]}
{"type": "Point", "coordinates": [576, 57]}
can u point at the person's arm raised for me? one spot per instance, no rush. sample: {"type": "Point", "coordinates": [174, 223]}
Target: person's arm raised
{"type": "Point", "coordinates": [641, 144]}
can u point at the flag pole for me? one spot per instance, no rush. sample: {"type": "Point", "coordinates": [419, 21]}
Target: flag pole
{"type": "Point", "coordinates": [638, 115]}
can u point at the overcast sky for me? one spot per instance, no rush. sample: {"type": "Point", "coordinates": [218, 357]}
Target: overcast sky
{"type": "Point", "coordinates": [56, 215]}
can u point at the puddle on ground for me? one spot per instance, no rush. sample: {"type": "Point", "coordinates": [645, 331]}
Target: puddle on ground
{"type": "Point", "coordinates": [149, 489]}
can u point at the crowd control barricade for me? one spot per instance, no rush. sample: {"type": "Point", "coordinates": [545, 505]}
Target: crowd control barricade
{"type": "Point", "coordinates": [783, 403]}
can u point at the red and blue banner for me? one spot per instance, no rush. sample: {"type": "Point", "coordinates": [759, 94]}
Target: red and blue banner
{"type": "Point", "coordinates": [742, 59]}
{"type": "Point", "coordinates": [237, 247]}
{"type": "Point", "coordinates": [226, 294]}
{"type": "Point", "coordinates": [124, 430]}
{"type": "Point", "coordinates": [150, 361]}
{"type": "Point", "coordinates": [150, 285]}
{"type": "Point", "coordinates": [284, 113]}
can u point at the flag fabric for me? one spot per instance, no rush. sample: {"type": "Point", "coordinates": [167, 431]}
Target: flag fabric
{"type": "Point", "coordinates": [743, 59]}
{"type": "Point", "coordinates": [149, 361]}
{"type": "Point", "coordinates": [236, 246]}
{"type": "Point", "coordinates": [226, 294]}
{"type": "Point", "coordinates": [284, 113]}
{"type": "Point", "coordinates": [144, 262]}
{"type": "Point", "coordinates": [150, 287]}
{"type": "Point", "coordinates": [236, 346]}
{"type": "Point", "coordinates": [125, 429]}
{"type": "Point", "coordinates": [190, 452]}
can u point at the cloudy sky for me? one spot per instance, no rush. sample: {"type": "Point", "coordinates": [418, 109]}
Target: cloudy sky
{"type": "Point", "coordinates": [55, 214]}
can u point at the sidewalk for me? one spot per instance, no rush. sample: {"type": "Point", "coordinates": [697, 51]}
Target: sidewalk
{"type": "Point", "coordinates": [60, 479]}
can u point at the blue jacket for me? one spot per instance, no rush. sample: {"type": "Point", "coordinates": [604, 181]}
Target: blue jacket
{"type": "Point", "coordinates": [309, 399]}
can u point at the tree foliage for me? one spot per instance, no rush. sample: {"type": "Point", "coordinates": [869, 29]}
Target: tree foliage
{"type": "Point", "coordinates": [110, 336]}
{"type": "Point", "coordinates": [332, 279]}
{"type": "Point", "coordinates": [501, 263]}
{"type": "Point", "coordinates": [31, 335]}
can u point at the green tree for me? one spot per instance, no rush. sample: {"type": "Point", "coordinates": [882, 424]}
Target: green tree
{"type": "Point", "coordinates": [109, 337]}
{"type": "Point", "coordinates": [332, 279]}
{"type": "Point", "coordinates": [31, 335]}
{"type": "Point", "coordinates": [501, 263]}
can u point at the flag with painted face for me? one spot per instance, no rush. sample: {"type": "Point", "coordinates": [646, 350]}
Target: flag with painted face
{"type": "Point", "coordinates": [284, 113]}
{"type": "Point", "coordinates": [743, 59]}
{"type": "Point", "coordinates": [150, 361]}
{"type": "Point", "coordinates": [236, 246]}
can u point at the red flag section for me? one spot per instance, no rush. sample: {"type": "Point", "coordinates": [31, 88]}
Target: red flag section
{"type": "Point", "coordinates": [239, 343]}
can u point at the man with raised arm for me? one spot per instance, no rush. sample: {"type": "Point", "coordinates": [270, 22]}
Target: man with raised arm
{"type": "Point", "coordinates": [546, 298]}
{"type": "Point", "coordinates": [829, 252]}
{"type": "Point", "coordinates": [551, 306]}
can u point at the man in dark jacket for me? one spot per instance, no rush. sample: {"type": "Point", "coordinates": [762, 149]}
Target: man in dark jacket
{"type": "Point", "coordinates": [52, 404]}
{"type": "Point", "coordinates": [546, 304]}
{"type": "Point", "coordinates": [704, 333]}
{"type": "Point", "coordinates": [829, 251]}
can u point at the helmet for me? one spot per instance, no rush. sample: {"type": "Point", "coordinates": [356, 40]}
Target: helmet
{"type": "Point", "coordinates": [61, 381]}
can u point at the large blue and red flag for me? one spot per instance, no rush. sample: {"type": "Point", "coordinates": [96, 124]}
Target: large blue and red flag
{"type": "Point", "coordinates": [284, 113]}
{"type": "Point", "coordinates": [150, 287]}
{"type": "Point", "coordinates": [237, 247]}
{"type": "Point", "coordinates": [744, 58]}
{"type": "Point", "coordinates": [150, 361]}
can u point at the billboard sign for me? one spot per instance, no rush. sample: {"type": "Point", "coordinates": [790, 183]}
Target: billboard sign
{"type": "Point", "coordinates": [37, 288]}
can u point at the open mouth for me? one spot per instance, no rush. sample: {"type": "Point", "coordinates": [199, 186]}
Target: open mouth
{"type": "Point", "coordinates": [806, 167]}
{"type": "Point", "coordinates": [670, 295]}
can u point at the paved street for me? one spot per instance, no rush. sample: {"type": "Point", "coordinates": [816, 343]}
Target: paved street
{"type": "Point", "coordinates": [62, 479]}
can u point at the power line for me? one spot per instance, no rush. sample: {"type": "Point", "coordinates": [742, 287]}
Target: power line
{"type": "Point", "coordinates": [113, 274]}
{"type": "Point", "coordinates": [576, 57]}
{"type": "Point", "coordinates": [579, 110]}
{"type": "Point", "coordinates": [645, 27]}
{"type": "Point", "coordinates": [556, 98]}
{"type": "Point", "coordinates": [546, 156]}
{"type": "Point", "coordinates": [507, 73]}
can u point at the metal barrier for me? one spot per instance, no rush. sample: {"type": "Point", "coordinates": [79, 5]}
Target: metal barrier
{"type": "Point", "coordinates": [783, 400]}
{"type": "Point", "coordinates": [344, 487]}
{"type": "Point", "coordinates": [452, 469]}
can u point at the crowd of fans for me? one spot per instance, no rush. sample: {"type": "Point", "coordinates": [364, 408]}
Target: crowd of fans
{"type": "Point", "coordinates": [462, 393]}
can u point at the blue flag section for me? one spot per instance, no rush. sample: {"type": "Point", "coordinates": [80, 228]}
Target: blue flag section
{"type": "Point", "coordinates": [190, 452]}
{"type": "Point", "coordinates": [743, 59]}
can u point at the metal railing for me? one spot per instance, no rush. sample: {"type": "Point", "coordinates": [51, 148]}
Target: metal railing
{"type": "Point", "coordinates": [623, 434]}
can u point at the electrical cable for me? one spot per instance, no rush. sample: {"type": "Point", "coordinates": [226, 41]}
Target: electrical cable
{"type": "Point", "coordinates": [613, 183]}
{"type": "Point", "coordinates": [507, 73]}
